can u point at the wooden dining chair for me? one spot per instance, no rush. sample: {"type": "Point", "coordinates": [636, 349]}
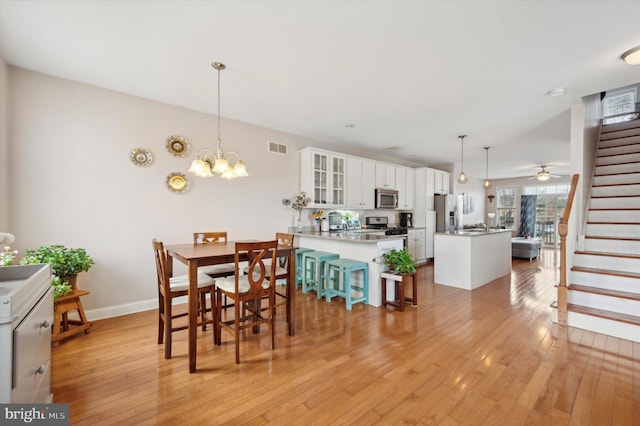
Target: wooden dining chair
{"type": "Point", "coordinates": [172, 287]}
{"type": "Point", "coordinates": [248, 290]}
{"type": "Point", "coordinates": [214, 271]}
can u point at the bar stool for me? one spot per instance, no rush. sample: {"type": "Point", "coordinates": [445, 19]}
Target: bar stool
{"type": "Point", "coordinates": [344, 267]}
{"type": "Point", "coordinates": [299, 252]}
{"type": "Point", "coordinates": [313, 270]}
{"type": "Point", "coordinates": [399, 281]}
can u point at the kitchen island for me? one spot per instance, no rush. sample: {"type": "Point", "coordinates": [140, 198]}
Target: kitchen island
{"type": "Point", "coordinates": [471, 259]}
{"type": "Point", "coordinates": [362, 246]}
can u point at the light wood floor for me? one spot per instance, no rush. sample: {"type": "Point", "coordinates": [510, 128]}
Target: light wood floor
{"type": "Point", "coordinates": [487, 357]}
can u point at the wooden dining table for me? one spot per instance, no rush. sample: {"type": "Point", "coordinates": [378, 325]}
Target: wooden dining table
{"type": "Point", "coordinates": [196, 255]}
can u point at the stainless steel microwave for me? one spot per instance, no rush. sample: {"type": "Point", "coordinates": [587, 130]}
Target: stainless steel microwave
{"type": "Point", "coordinates": [386, 198]}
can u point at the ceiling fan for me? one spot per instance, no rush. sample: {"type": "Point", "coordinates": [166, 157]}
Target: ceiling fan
{"type": "Point", "coordinates": [544, 175]}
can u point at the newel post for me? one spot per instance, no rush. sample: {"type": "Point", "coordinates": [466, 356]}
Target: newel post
{"type": "Point", "coordinates": [563, 229]}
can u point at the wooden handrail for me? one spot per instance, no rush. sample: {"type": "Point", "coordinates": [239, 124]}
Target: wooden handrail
{"type": "Point", "coordinates": [563, 230]}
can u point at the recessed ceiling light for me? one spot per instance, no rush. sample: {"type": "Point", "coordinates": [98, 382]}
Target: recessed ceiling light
{"type": "Point", "coordinates": [632, 56]}
{"type": "Point", "coordinates": [557, 91]}
{"type": "Point", "coordinates": [349, 126]}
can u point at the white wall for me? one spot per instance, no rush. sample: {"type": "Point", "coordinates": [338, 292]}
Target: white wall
{"type": "Point", "coordinates": [74, 184]}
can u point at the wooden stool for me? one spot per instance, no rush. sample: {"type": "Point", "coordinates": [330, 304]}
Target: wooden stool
{"type": "Point", "coordinates": [399, 280]}
{"type": "Point", "coordinates": [61, 322]}
{"type": "Point", "coordinates": [344, 267]}
{"type": "Point", "coordinates": [313, 271]}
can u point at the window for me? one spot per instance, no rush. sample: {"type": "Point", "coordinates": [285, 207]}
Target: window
{"type": "Point", "coordinates": [550, 204]}
{"type": "Point", "coordinates": [506, 206]}
{"type": "Point", "coordinates": [619, 102]}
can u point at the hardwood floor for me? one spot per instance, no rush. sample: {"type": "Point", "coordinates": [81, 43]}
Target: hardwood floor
{"type": "Point", "coordinates": [491, 356]}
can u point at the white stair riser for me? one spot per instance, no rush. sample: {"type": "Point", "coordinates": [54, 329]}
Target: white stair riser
{"type": "Point", "coordinates": [613, 191]}
{"type": "Point", "coordinates": [617, 179]}
{"type": "Point", "coordinates": [615, 203]}
{"type": "Point", "coordinates": [617, 168]}
{"type": "Point", "coordinates": [619, 149]}
{"type": "Point", "coordinates": [612, 263]}
{"type": "Point", "coordinates": [612, 246]}
{"type": "Point", "coordinates": [599, 301]}
{"type": "Point", "coordinates": [618, 329]}
{"type": "Point", "coordinates": [610, 282]}
{"type": "Point", "coordinates": [613, 216]}
{"type": "Point", "coordinates": [611, 143]}
{"type": "Point", "coordinates": [627, 158]}
{"type": "Point", "coordinates": [619, 231]}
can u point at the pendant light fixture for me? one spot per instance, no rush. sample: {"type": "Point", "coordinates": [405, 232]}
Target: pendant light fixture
{"type": "Point", "coordinates": [218, 162]}
{"type": "Point", "coordinates": [462, 178]}
{"type": "Point", "coordinates": [487, 182]}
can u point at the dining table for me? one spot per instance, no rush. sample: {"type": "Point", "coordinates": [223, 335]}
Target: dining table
{"type": "Point", "coordinates": [196, 255]}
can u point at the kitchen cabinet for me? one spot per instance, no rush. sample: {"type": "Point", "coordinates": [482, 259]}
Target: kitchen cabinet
{"type": "Point", "coordinates": [424, 184]}
{"type": "Point", "coordinates": [360, 183]}
{"type": "Point", "coordinates": [429, 232]}
{"type": "Point", "coordinates": [323, 177]}
{"type": "Point", "coordinates": [406, 186]}
{"type": "Point", "coordinates": [385, 176]}
{"type": "Point", "coordinates": [416, 244]}
{"type": "Point", "coordinates": [441, 182]}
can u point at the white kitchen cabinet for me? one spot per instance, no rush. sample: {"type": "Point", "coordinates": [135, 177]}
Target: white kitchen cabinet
{"type": "Point", "coordinates": [430, 229]}
{"type": "Point", "coordinates": [323, 177]}
{"type": "Point", "coordinates": [385, 176]}
{"type": "Point", "coordinates": [424, 199]}
{"type": "Point", "coordinates": [416, 244]}
{"type": "Point", "coordinates": [406, 186]}
{"type": "Point", "coordinates": [442, 182]}
{"type": "Point", "coordinates": [360, 183]}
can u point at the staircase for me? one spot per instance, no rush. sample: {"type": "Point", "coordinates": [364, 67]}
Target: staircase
{"type": "Point", "coordinates": [604, 283]}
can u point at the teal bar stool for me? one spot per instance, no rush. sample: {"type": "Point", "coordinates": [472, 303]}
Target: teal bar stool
{"type": "Point", "coordinates": [299, 252]}
{"type": "Point", "coordinates": [341, 269]}
{"type": "Point", "coordinates": [313, 270]}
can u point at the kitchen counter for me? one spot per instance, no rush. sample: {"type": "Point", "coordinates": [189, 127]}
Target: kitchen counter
{"type": "Point", "coordinates": [363, 246]}
{"type": "Point", "coordinates": [359, 236]}
{"type": "Point", "coordinates": [471, 259]}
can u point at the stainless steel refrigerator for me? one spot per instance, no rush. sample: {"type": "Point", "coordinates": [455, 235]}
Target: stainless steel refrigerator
{"type": "Point", "coordinates": [448, 209]}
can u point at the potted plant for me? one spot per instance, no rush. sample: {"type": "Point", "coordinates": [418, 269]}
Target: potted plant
{"type": "Point", "coordinates": [66, 264]}
{"type": "Point", "coordinates": [399, 261]}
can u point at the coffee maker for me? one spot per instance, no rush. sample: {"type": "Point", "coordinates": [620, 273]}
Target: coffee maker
{"type": "Point", "coordinates": [406, 220]}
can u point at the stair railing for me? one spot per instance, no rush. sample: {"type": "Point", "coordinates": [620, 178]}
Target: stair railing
{"type": "Point", "coordinates": [563, 230]}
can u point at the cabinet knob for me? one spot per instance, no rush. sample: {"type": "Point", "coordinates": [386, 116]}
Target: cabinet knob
{"type": "Point", "coordinates": [45, 324]}
{"type": "Point", "coordinates": [40, 370]}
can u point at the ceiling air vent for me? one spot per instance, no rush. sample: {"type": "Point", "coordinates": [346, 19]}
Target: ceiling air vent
{"type": "Point", "coordinates": [278, 148]}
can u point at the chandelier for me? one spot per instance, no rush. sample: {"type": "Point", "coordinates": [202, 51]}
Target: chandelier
{"type": "Point", "coordinates": [462, 178]}
{"type": "Point", "coordinates": [218, 162]}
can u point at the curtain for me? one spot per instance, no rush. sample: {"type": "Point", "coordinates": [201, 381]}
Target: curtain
{"type": "Point", "coordinates": [527, 215]}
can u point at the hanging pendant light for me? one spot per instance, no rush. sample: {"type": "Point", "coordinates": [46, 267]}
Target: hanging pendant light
{"type": "Point", "coordinates": [462, 178]}
{"type": "Point", "coordinates": [218, 162]}
{"type": "Point", "coordinates": [487, 182]}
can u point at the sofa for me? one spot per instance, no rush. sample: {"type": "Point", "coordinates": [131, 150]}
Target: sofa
{"type": "Point", "coordinates": [525, 248]}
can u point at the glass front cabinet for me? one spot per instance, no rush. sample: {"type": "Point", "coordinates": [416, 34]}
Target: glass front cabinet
{"type": "Point", "coordinates": [322, 177]}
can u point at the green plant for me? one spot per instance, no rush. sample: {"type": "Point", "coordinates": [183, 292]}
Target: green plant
{"type": "Point", "coordinates": [399, 261]}
{"type": "Point", "coordinates": [65, 263]}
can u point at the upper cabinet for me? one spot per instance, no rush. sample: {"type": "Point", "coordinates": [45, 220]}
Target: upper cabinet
{"type": "Point", "coordinates": [361, 176]}
{"type": "Point", "coordinates": [442, 182]}
{"type": "Point", "coordinates": [323, 177]}
{"type": "Point", "coordinates": [406, 186]}
{"type": "Point", "coordinates": [385, 176]}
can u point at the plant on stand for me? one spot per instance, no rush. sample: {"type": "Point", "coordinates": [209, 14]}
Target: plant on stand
{"type": "Point", "coordinates": [299, 202]}
{"type": "Point", "coordinates": [66, 264]}
{"type": "Point", "coordinates": [399, 261]}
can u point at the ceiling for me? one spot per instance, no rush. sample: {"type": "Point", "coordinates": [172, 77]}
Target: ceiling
{"type": "Point", "coordinates": [396, 78]}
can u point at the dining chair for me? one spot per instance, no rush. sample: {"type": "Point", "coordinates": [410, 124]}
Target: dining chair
{"type": "Point", "coordinates": [248, 290]}
{"type": "Point", "coordinates": [214, 271]}
{"type": "Point", "coordinates": [282, 266]}
{"type": "Point", "coordinates": [172, 287]}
